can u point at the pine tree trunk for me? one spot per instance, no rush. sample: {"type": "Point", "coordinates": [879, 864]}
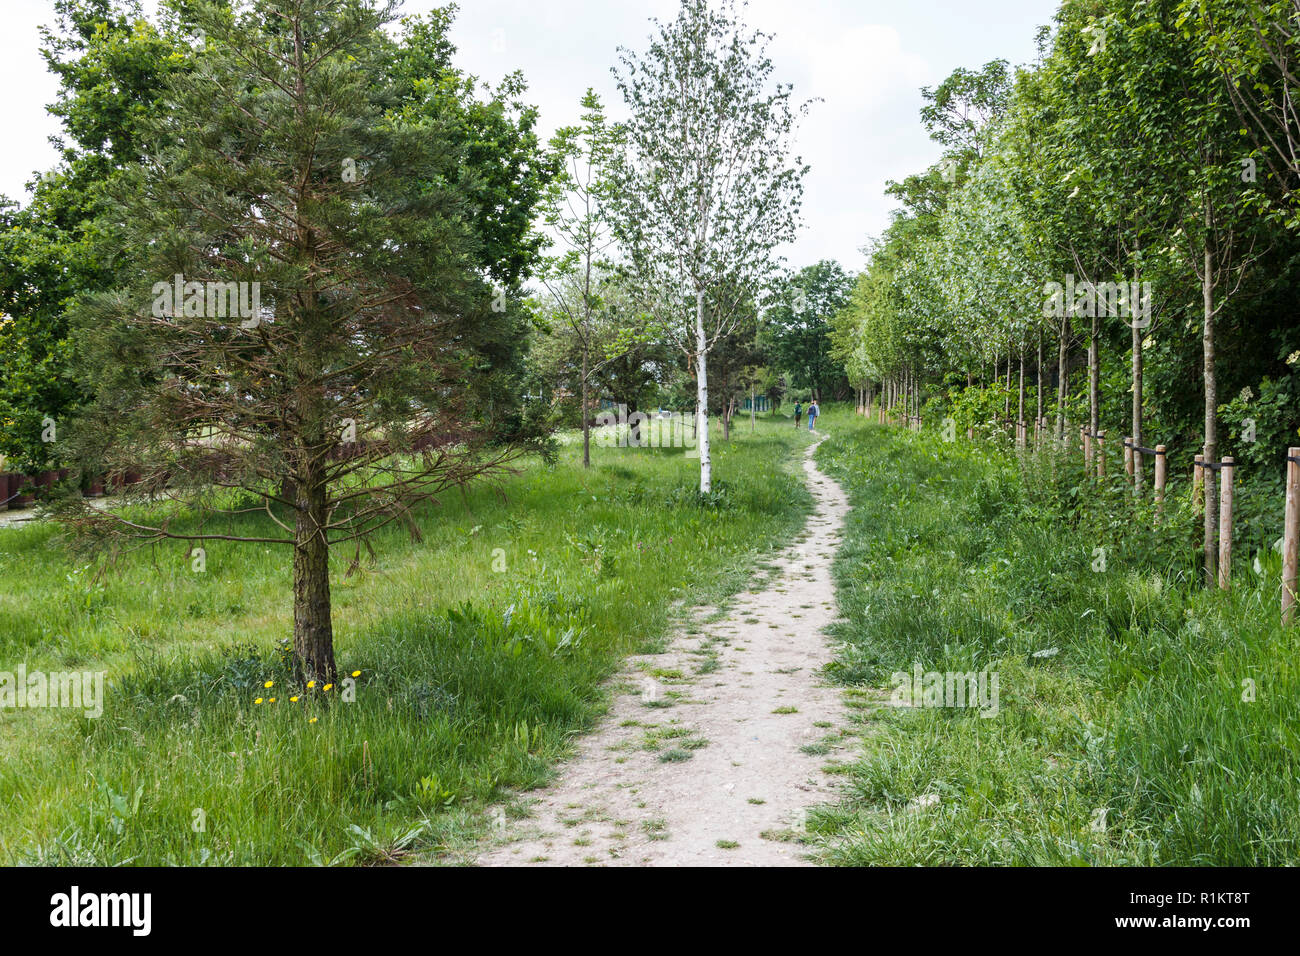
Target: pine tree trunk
{"type": "Point", "coordinates": [702, 396]}
{"type": "Point", "coordinates": [313, 632]}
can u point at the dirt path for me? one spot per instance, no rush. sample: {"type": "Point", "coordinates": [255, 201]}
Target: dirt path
{"type": "Point", "coordinates": [712, 750]}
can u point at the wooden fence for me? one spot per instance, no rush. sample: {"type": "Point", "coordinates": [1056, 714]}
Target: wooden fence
{"type": "Point", "coordinates": [1093, 447]}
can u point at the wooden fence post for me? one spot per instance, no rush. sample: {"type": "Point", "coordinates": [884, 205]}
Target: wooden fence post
{"type": "Point", "coordinates": [1225, 523]}
{"type": "Point", "coordinates": [1101, 454]}
{"type": "Point", "coordinates": [1291, 536]}
{"type": "Point", "coordinates": [1198, 482]}
{"type": "Point", "coordinates": [1128, 457]}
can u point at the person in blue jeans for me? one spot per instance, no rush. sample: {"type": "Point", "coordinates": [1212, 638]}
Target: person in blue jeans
{"type": "Point", "coordinates": [813, 412]}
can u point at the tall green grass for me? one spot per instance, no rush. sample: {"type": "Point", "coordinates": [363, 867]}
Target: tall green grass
{"type": "Point", "coordinates": [481, 650]}
{"type": "Point", "coordinates": [1159, 723]}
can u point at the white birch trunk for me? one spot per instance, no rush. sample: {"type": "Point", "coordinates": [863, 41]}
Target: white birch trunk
{"type": "Point", "coordinates": [702, 396]}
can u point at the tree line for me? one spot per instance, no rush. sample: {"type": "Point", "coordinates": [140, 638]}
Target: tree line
{"type": "Point", "coordinates": [1108, 241]}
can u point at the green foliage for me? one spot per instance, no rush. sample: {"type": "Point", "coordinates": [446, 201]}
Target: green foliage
{"type": "Point", "coordinates": [112, 67]}
{"type": "Point", "coordinates": [1127, 153]}
{"type": "Point", "coordinates": [798, 323]}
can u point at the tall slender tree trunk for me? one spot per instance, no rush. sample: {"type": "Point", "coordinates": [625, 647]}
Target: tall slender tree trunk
{"type": "Point", "coordinates": [1210, 449]}
{"type": "Point", "coordinates": [313, 631]}
{"type": "Point", "coordinates": [1020, 413]}
{"type": "Point", "coordinates": [1061, 385]}
{"type": "Point", "coordinates": [702, 396]}
{"type": "Point", "coordinates": [1039, 394]}
{"type": "Point", "coordinates": [1137, 403]}
{"type": "Point", "coordinates": [586, 415]}
{"type": "Point", "coordinates": [1006, 405]}
{"type": "Point", "coordinates": [1094, 376]}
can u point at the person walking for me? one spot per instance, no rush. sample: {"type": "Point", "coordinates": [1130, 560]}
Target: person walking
{"type": "Point", "coordinates": [798, 413]}
{"type": "Point", "coordinates": [813, 412]}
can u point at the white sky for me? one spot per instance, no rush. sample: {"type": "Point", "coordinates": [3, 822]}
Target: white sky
{"type": "Point", "coordinates": [866, 60]}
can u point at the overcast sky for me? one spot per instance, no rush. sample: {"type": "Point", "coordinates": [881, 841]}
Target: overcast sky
{"type": "Point", "coordinates": [865, 59]}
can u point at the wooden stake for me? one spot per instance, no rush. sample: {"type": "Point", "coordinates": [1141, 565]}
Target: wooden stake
{"type": "Point", "coordinates": [1087, 448]}
{"type": "Point", "coordinates": [1101, 454]}
{"type": "Point", "coordinates": [1225, 524]}
{"type": "Point", "coordinates": [1291, 536]}
{"type": "Point", "coordinates": [1128, 456]}
{"type": "Point", "coordinates": [1198, 482]}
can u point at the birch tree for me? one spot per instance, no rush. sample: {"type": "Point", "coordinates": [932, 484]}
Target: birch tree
{"type": "Point", "coordinates": [706, 188]}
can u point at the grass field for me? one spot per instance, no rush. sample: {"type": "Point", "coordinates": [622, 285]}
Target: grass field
{"type": "Point", "coordinates": [1143, 719]}
{"type": "Point", "coordinates": [481, 651]}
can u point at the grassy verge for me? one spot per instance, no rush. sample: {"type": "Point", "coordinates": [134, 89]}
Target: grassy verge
{"type": "Point", "coordinates": [481, 650]}
{"type": "Point", "coordinates": [1142, 719]}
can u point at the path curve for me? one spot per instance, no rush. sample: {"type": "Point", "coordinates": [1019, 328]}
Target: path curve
{"type": "Point", "coordinates": [711, 767]}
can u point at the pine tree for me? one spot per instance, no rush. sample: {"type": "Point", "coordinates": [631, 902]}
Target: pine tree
{"type": "Point", "coordinates": [306, 331]}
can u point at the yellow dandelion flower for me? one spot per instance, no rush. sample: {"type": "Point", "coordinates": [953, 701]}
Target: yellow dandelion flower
{"type": "Point", "coordinates": [269, 683]}
{"type": "Point", "coordinates": [293, 700]}
{"type": "Point", "coordinates": [258, 701]}
{"type": "Point", "coordinates": [271, 701]}
{"type": "Point", "coordinates": [356, 673]}
{"type": "Point", "coordinates": [312, 721]}
{"type": "Point", "coordinates": [311, 684]}
{"type": "Point", "coordinates": [327, 687]}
